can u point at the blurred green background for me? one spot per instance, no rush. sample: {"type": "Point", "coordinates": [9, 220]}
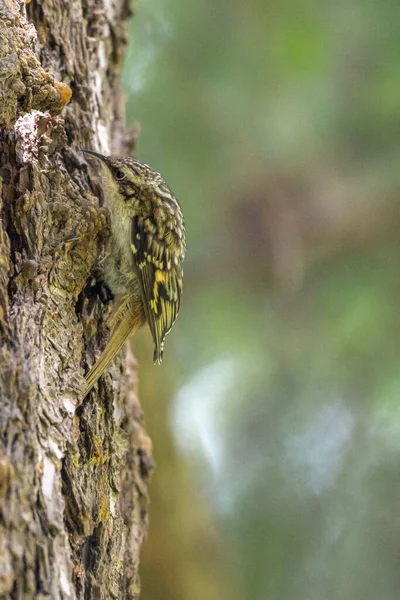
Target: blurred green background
{"type": "Point", "coordinates": [275, 416]}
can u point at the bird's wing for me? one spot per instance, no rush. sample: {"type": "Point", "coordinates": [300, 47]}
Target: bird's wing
{"type": "Point", "coordinates": [160, 277]}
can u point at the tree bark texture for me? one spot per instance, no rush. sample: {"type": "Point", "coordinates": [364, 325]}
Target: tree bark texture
{"type": "Point", "coordinates": [73, 479]}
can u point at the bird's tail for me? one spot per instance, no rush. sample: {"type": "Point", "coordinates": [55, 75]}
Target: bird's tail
{"type": "Point", "coordinates": [129, 321]}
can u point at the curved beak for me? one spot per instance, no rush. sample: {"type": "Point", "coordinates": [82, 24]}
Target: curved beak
{"type": "Point", "coordinates": [97, 155]}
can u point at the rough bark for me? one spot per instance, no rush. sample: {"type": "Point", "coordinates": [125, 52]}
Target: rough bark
{"type": "Point", "coordinates": [73, 479]}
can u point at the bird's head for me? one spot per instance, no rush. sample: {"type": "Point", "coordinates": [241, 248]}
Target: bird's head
{"type": "Point", "coordinates": [130, 180]}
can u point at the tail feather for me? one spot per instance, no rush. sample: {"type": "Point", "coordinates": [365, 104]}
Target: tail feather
{"type": "Point", "coordinates": [129, 324]}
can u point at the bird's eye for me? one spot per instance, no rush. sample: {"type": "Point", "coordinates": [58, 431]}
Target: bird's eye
{"type": "Point", "coordinates": [120, 175]}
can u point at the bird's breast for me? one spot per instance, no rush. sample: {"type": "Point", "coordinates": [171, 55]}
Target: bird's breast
{"type": "Point", "coordinates": [119, 272]}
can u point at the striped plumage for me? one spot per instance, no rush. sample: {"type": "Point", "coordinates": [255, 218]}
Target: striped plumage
{"type": "Point", "coordinates": [144, 266]}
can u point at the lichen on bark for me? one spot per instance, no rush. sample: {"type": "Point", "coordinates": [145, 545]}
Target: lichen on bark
{"type": "Point", "coordinates": [73, 480]}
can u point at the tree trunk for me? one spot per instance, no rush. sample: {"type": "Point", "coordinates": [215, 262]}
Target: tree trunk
{"type": "Point", "coordinates": [73, 479]}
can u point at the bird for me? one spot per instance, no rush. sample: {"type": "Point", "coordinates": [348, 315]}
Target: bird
{"type": "Point", "coordinates": [143, 267]}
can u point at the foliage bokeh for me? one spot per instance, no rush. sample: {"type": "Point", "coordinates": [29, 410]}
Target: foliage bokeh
{"type": "Point", "coordinates": [275, 417]}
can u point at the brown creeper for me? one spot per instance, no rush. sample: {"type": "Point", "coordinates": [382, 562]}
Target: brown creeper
{"type": "Point", "coordinates": [144, 266]}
